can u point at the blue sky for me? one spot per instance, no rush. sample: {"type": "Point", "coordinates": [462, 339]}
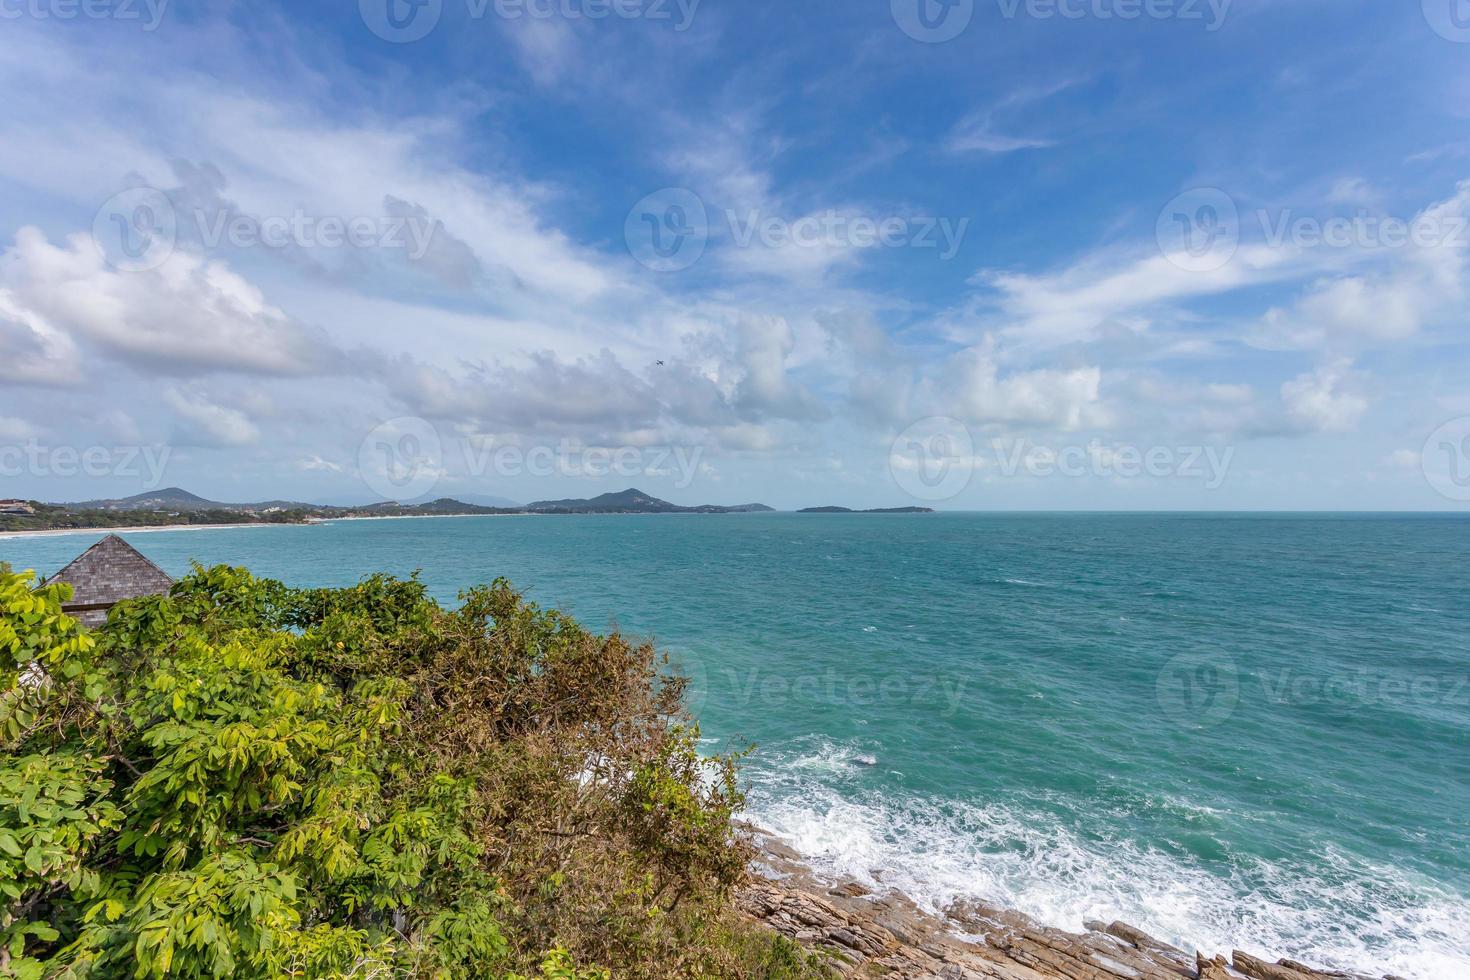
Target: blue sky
{"type": "Point", "coordinates": [990, 254]}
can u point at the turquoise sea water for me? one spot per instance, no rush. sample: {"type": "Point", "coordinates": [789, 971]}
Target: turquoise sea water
{"type": "Point", "coordinates": [1233, 731]}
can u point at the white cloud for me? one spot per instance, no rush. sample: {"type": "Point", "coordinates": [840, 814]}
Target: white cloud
{"type": "Point", "coordinates": [315, 463]}
{"type": "Point", "coordinates": [1352, 190]}
{"type": "Point", "coordinates": [1404, 459]}
{"type": "Point", "coordinates": [1128, 288]}
{"type": "Point", "coordinates": [975, 391]}
{"type": "Point", "coordinates": [32, 351]}
{"type": "Point", "coordinates": [1419, 285]}
{"type": "Point", "coordinates": [976, 132]}
{"type": "Point", "coordinates": [546, 47]}
{"type": "Point", "coordinates": [207, 423]}
{"type": "Point", "coordinates": [189, 314]}
{"type": "Point", "coordinates": [17, 430]}
{"type": "Point", "coordinates": [1324, 400]}
{"type": "Point", "coordinates": [766, 389]}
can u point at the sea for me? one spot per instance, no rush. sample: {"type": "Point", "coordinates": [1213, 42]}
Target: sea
{"type": "Point", "coordinates": [1234, 731]}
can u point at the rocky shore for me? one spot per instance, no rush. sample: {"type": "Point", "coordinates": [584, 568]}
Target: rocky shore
{"type": "Point", "coordinates": [873, 935]}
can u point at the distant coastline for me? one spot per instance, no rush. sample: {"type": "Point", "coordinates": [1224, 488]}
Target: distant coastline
{"type": "Point", "coordinates": [177, 509]}
{"type": "Point", "coordinates": [51, 532]}
{"type": "Point", "coordinates": [56, 532]}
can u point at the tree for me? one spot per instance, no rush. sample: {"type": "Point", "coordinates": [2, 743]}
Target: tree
{"type": "Point", "coordinates": [245, 780]}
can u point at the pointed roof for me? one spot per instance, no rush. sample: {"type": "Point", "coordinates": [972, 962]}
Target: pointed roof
{"type": "Point", "coordinates": [110, 571]}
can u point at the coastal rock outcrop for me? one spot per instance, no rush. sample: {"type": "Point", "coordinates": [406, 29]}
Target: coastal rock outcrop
{"type": "Point", "coordinates": [870, 934]}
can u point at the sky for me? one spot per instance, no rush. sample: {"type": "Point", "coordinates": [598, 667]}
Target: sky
{"type": "Point", "coordinates": [969, 254]}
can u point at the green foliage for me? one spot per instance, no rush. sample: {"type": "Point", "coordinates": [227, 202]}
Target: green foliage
{"type": "Point", "coordinates": [244, 780]}
{"type": "Point", "coordinates": [57, 516]}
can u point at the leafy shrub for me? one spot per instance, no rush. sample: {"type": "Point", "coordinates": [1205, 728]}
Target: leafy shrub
{"type": "Point", "coordinates": [244, 780]}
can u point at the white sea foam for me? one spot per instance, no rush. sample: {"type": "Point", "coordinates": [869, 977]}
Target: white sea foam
{"type": "Point", "coordinates": [1343, 914]}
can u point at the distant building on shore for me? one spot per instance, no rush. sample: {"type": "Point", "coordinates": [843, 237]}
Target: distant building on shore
{"type": "Point", "coordinates": [16, 507]}
{"type": "Point", "coordinates": [104, 575]}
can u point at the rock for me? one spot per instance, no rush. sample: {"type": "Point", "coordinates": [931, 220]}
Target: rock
{"type": "Point", "coordinates": [848, 889]}
{"type": "Point", "coordinates": [1258, 969]}
{"type": "Point", "coordinates": [1214, 969]}
{"type": "Point", "coordinates": [868, 934]}
{"type": "Point", "coordinates": [1139, 938]}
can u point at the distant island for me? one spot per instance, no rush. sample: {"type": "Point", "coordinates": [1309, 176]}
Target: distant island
{"type": "Point", "coordinates": [873, 510]}
{"type": "Point", "coordinates": [177, 507]}
{"type": "Point", "coordinates": [633, 501]}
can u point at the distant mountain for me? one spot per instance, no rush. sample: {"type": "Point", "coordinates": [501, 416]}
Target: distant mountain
{"type": "Point", "coordinates": [171, 498]}
{"type": "Point", "coordinates": [175, 499]}
{"type": "Point", "coordinates": [444, 505]}
{"type": "Point", "coordinates": [174, 505]}
{"type": "Point", "coordinates": [482, 500]}
{"type": "Point", "coordinates": [633, 501]}
{"type": "Point", "coordinates": [875, 510]}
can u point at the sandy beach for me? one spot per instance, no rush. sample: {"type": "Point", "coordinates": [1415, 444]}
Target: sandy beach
{"type": "Point", "coordinates": [143, 529]}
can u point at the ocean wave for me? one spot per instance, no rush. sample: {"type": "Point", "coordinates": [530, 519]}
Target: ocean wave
{"type": "Point", "coordinates": [1342, 913]}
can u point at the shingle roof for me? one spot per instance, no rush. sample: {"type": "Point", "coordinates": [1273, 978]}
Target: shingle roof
{"type": "Point", "coordinates": [110, 571]}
